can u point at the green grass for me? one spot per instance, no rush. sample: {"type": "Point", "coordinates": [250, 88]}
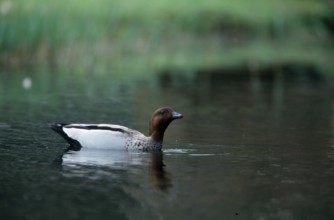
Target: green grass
{"type": "Point", "coordinates": [118, 35]}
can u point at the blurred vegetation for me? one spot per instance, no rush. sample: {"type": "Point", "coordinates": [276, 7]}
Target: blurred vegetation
{"type": "Point", "coordinates": [149, 36]}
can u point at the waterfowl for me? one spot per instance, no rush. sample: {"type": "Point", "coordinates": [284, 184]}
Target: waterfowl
{"type": "Point", "coordinates": [110, 136]}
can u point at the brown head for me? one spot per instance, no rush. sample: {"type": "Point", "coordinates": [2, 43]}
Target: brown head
{"type": "Point", "coordinates": [160, 120]}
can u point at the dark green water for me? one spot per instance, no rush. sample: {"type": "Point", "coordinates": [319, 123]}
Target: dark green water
{"type": "Point", "coordinates": [246, 149]}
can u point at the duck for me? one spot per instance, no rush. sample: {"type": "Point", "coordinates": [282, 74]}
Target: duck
{"type": "Point", "coordinates": [111, 136]}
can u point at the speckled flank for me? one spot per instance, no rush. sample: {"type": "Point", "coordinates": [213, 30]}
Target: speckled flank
{"type": "Point", "coordinates": [140, 142]}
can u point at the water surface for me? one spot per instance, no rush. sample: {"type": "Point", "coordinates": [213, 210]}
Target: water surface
{"type": "Point", "coordinates": [245, 149]}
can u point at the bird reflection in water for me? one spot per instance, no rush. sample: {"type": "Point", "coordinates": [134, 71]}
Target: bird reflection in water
{"type": "Point", "coordinates": [159, 178]}
{"type": "Point", "coordinates": [77, 162]}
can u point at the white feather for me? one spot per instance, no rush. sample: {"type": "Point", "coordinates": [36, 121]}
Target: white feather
{"type": "Point", "coordinates": [95, 138]}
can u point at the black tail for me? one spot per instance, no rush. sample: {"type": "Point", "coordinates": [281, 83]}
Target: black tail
{"type": "Point", "coordinates": [58, 127]}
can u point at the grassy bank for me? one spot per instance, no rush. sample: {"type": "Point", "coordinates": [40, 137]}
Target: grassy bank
{"type": "Point", "coordinates": [118, 35]}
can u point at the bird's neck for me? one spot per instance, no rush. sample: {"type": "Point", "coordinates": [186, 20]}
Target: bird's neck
{"type": "Point", "coordinates": [157, 135]}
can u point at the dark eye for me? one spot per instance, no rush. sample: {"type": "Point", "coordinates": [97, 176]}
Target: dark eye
{"type": "Point", "coordinates": [162, 112]}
